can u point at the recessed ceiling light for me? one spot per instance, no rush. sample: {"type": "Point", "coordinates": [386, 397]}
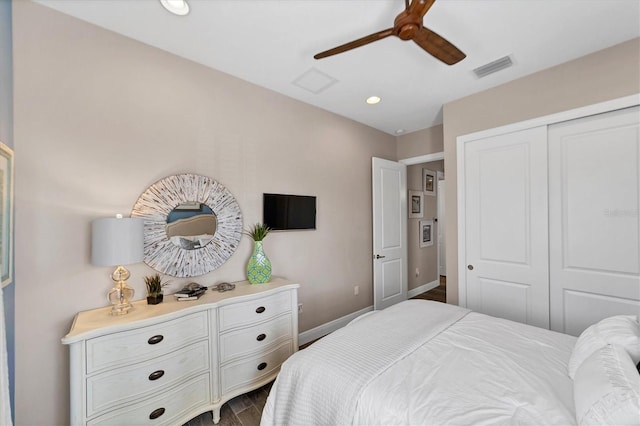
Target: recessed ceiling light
{"type": "Point", "coordinates": [177, 7]}
{"type": "Point", "coordinates": [372, 100]}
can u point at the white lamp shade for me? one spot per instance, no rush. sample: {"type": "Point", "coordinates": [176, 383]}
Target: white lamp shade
{"type": "Point", "coordinates": [116, 241]}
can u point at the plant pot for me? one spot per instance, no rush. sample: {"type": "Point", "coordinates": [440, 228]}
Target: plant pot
{"type": "Point", "coordinates": [155, 299]}
{"type": "Point", "coordinates": [259, 266]}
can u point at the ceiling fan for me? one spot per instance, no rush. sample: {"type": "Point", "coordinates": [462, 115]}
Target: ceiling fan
{"type": "Point", "coordinates": [408, 26]}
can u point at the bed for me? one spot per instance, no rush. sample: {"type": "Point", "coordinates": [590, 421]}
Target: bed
{"type": "Point", "coordinates": [422, 362]}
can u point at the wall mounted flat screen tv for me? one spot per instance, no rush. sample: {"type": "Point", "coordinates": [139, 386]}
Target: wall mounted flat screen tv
{"type": "Point", "coordinates": [286, 212]}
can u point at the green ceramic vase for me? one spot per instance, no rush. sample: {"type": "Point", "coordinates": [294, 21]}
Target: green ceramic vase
{"type": "Point", "coordinates": [259, 266]}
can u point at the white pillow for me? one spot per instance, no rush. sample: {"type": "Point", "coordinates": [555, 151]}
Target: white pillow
{"type": "Point", "coordinates": [622, 330]}
{"type": "Point", "coordinates": [606, 389]}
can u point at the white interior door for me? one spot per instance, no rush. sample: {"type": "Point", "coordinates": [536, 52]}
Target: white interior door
{"type": "Point", "coordinates": [505, 214]}
{"type": "Point", "coordinates": [442, 240]}
{"type": "Point", "coordinates": [594, 194]}
{"type": "Point", "coordinates": [389, 232]}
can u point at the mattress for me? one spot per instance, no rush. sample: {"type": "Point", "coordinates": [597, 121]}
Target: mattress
{"type": "Point", "coordinates": [437, 364]}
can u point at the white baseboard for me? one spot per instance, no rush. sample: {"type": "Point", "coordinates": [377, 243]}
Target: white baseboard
{"type": "Point", "coordinates": [424, 287]}
{"type": "Point", "coordinates": [331, 326]}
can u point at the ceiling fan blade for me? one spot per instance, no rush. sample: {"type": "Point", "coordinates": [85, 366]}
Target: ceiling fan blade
{"type": "Point", "coordinates": [356, 43]}
{"type": "Point", "coordinates": [438, 46]}
{"type": "Point", "coordinates": [420, 7]}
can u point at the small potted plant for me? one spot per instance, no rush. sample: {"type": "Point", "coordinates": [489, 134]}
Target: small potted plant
{"type": "Point", "coordinates": [259, 266]}
{"type": "Point", "coordinates": [154, 289]}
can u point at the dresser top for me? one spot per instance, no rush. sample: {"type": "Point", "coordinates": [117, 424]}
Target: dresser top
{"type": "Point", "coordinates": [95, 322]}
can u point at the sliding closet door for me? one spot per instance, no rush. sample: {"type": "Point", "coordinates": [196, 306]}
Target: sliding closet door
{"type": "Point", "coordinates": [594, 194]}
{"type": "Point", "coordinates": [506, 257]}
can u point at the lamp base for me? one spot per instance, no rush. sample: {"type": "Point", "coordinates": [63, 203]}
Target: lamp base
{"type": "Point", "coordinates": [121, 309]}
{"type": "Point", "coordinates": [119, 297]}
{"type": "Point", "coordinates": [121, 293]}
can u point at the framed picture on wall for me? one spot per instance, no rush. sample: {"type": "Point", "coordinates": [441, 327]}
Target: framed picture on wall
{"type": "Point", "coordinates": [6, 213]}
{"type": "Point", "coordinates": [416, 204]}
{"type": "Point", "coordinates": [426, 233]}
{"type": "Point", "coordinates": [428, 182]}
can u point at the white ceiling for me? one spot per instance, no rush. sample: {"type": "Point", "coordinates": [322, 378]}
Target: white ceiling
{"type": "Point", "coordinates": [271, 43]}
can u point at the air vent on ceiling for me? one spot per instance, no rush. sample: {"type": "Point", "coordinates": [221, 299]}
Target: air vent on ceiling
{"type": "Point", "coordinates": [314, 81]}
{"type": "Point", "coordinates": [491, 67]}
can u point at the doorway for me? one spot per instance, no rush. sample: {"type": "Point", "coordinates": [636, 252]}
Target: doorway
{"type": "Point", "coordinates": [413, 290]}
{"type": "Point", "coordinates": [425, 236]}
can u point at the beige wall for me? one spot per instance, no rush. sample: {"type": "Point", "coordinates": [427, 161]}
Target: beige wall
{"type": "Point", "coordinates": [422, 142]}
{"type": "Point", "coordinates": [423, 258]}
{"type": "Point", "coordinates": [608, 74]}
{"type": "Point", "coordinates": [99, 118]}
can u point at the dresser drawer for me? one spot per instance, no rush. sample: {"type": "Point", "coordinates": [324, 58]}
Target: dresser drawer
{"type": "Point", "coordinates": [254, 339]}
{"type": "Point", "coordinates": [163, 409]}
{"type": "Point", "coordinates": [243, 373]}
{"type": "Point", "coordinates": [124, 348]}
{"type": "Point", "coordinates": [109, 389]}
{"type": "Point", "coordinates": [248, 313]}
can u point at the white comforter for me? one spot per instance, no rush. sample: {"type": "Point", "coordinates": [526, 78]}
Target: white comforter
{"type": "Point", "coordinates": [454, 367]}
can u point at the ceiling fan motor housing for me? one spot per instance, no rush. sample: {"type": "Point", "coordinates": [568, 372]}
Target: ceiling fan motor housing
{"type": "Point", "coordinates": [408, 31]}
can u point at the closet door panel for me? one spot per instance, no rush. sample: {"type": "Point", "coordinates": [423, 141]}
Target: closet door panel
{"type": "Point", "coordinates": [579, 307]}
{"type": "Point", "coordinates": [594, 225]}
{"type": "Point", "coordinates": [506, 226]}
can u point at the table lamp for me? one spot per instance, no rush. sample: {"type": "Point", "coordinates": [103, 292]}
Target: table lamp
{"type": "Point", "coordinates": [115, 242]}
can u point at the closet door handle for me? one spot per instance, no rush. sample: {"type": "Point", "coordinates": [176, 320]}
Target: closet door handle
{"type": "Point", "coordinates": [470, 267]}
{"type": "Point", "coordinates": [260, 310]}
{"type": "Point", "coordinates": [261, 337]}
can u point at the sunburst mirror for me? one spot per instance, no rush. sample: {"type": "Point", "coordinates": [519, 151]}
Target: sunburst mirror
{"type": "Point", "coordinates": [192, 225]}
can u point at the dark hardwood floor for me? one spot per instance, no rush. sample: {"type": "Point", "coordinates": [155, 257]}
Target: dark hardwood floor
{"type": "Point", "coordinates": [243, 410]}
{"type": "Point", "coordinates": [246, 410]}
{"type": "Point", "coordinates": [439, 294]}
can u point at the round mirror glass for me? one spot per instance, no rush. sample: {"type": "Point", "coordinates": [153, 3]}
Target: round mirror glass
{"type": "Point", "coordinates": [191, 225]}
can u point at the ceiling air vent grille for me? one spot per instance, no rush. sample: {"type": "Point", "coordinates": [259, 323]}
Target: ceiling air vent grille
{"type": "Point", "coordinates": [491, 67]}
{"type": "Point", "coordinates": [314, 81]}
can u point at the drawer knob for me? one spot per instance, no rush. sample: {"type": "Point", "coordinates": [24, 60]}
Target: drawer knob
{"type": "Point", "coordinates": [156, 375]}
{"type": "Point", "coordinates": [155, 339]}
{"type": "Point", "coordinates": [261, 337]}
{"type": "Point", "coordinates": [156, 413]}
{"type": "Point", "coordinates": [260, 310]}
{"type": "Point", "coordinates": [262, 366]}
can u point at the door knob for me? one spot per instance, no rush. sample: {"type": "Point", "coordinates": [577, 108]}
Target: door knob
{"type": "Point", "coordinates": [470, 267]}
{"type": "Point", "coordinates": [380, 257]}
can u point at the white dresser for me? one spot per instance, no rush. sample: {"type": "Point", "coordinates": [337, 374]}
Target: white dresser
{"type": "Point", "coordinates": [165, 364]}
